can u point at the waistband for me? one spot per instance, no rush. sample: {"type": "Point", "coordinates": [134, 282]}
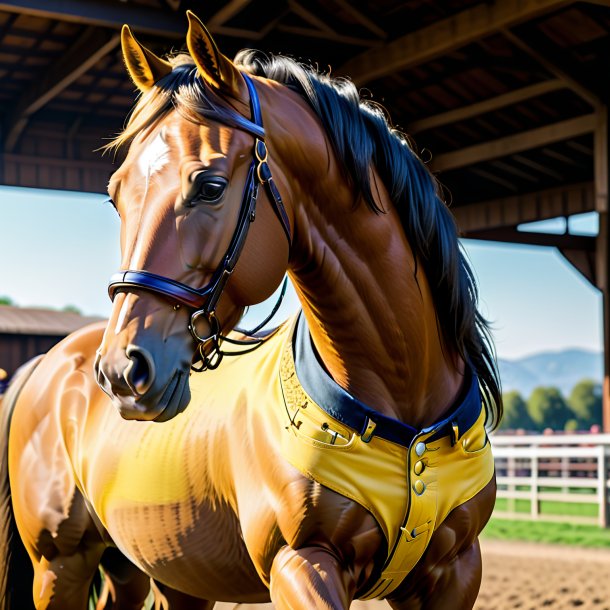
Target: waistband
{"type": "Point", "coordinates": [364, 420]}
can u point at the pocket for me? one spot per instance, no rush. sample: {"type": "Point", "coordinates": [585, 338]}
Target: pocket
{"type": "Point", "coordinates": [316, 427]}
{"type": "Point", "coordinates": [475, 440]}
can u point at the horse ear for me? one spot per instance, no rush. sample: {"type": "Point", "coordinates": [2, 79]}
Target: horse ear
{"type": "Point", "coordinates": [218, 71]}
{"type": "Point", "coordinates": [144, 67]}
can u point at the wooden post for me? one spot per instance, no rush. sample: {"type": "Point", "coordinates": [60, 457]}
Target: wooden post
{"type": "Point", "coordinates": [602, 486]}
{"type": "Point", "coordinates": [535, 505]}
{"type": "Point", "coordinates": [602, 251]}
{"type": "Point", "coordinates": [512, 473]}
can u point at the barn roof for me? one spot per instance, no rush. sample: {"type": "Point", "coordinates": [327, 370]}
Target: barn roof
{"type": "Point", "coordinates": [507, 99]}
{"type": "Point", "coordinates": [34, 321]}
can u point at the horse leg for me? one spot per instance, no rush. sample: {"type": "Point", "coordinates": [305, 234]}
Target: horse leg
{"type": "Point", "coordinates": [308, 578]}
{"type": "Point", "coordinates": [455, 585]}
{"type": "Point", "coordinates": [167, 598]}
{"type": "Point", "coordinates": [63, 582]}
{"type": "Point", "coordinates": [448, 576]}
{"type": "Point", "coordinates": [126, 587]}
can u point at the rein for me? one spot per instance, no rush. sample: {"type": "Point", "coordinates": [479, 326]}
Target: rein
{"type": "Point", "coordinates": [203, 301]}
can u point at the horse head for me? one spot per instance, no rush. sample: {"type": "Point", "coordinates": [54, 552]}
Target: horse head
{"type": "Point", "coordinates": [187, 191]}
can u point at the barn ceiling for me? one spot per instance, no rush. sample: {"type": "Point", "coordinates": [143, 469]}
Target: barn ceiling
{"type": "Point", "coordinates": [501, 97]}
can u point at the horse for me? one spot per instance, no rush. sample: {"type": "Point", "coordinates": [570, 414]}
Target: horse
{"type": "Point", "coordinates": [343, 455]}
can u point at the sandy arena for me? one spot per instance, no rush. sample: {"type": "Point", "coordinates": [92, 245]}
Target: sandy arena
{"type": "Point", "coordinates": [530, 577]}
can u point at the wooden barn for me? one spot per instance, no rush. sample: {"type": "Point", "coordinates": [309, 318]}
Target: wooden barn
{"type": "Point", "coordinates": [508, 99]}
{"type": "Point", "coordinates": [27, 332]}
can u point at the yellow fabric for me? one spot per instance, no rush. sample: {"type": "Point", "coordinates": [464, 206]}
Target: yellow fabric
{"type": "Point", "coordinates": [381, 475]}
{"type": "Point", "coordinates": [164, 468]}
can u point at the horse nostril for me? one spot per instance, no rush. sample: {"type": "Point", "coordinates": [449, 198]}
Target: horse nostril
{"type": "Point", "coordinates": [140, 372]}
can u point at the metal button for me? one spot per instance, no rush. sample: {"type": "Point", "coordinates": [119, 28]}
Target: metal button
{"type": "Point", "coordinates": [419, 487]}
{"type": "Point", "coordinates": [420, 449]}
{"type": "Point", "coordinates": [418, 468]}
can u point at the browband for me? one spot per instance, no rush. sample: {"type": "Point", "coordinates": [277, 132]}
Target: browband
{"type": "Point", "coordinates": [259, 173]}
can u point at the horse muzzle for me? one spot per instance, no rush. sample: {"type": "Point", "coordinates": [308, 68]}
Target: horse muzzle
{"type": "Point", "coordinates": [142, 385]}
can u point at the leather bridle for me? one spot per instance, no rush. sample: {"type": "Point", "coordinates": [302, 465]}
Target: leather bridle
{"type": "Point", "coordinates": [203, 301]}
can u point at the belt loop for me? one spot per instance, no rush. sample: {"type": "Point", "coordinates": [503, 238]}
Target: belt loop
{"type": "Point", "coordinates": [455, 433]}
{"type": "Point", "coordinates": [367, 435]}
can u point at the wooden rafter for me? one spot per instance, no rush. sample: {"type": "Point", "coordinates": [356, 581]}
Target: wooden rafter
{"type": "Point", "coordinates": [443, 36]}
{"type": "Point", "coordinates": [600, 144]}
{"type": "Point", "coordinates": [509, 145]}
{"type": "Point", "coordinates": [526, 207]}
{"type": "Point", "coordinates": [310, 17]}
{"type": "Point", "coordinates": [228, 11]}
{"type": "Point", "coordinates": [337, 38]}
{"type": "Point", "coordinates": [489, 105]}
{"type": "Point", "coordinates": [106, 13]}
{"type": "Point", "coordinates": [514, 236]}
{"type": "Point", "coordinates": [89, 48]}
{"type": "Point", "coordinates": [367, 22]}
{"type": "Point", "coordinates": [114, 13]}
{"type": "Point", "coordinates": [583, 261]}
{"type": "Point", "coordinates": [554, 68]}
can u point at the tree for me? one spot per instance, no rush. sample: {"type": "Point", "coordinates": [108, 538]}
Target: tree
{"type": "Point", "coordinates": [6, 301]}
{"type": "Point", "coordinates": [515, 413]}
{"type": "Point", "coordinates": [586, 402]}
{"type": "Point", "coordinates": [548, 408]}
{"type": "Point", "coordinates": [72, 309]}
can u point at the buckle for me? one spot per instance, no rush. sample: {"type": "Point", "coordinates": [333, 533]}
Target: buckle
{"type": "Point", "coordinates": [455, 433]}
{"type": "Point", "coordinates": [367, 435]}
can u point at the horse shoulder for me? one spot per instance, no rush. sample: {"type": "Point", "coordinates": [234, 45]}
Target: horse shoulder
{"type": "Point", "coordinates": [49, 508]}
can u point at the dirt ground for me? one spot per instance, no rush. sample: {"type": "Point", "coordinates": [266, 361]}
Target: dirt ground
{"type": "Point", "coordinates": [527, 576]}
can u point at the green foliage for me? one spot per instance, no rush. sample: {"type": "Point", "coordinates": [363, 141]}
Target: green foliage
{"type": "Point", "coordinates": [72, 309]}
{"type": "Point", "coordinates": [516, 415]}
{"type": "Point", "coordinates": [548, 409]}
{"type": "Point", "coordinates": [6, 300]}
{"type": "Point", "coordinates": [572, 425]}
{"type": "Point", "coordinates": [586, 403]}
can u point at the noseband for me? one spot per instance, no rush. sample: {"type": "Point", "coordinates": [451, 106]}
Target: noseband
{"type": "Point", "coordinates": [203, 301]}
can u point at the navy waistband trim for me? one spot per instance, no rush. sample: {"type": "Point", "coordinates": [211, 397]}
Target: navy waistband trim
{"type": "Point", "coordinates": [347, 409]}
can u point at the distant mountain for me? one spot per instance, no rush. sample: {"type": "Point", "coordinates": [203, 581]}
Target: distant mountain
{"type": "Point", "coordinates": [562, 369]}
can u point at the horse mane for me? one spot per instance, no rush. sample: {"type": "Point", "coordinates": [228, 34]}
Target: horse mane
{"type": "Point", "coordinates": [362, 137]}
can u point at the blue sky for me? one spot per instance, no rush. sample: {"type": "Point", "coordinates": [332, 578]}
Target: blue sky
{"type": "Point", "coordinates": [59, 248]}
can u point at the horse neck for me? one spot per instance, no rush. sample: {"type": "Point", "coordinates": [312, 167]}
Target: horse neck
{"type": "Point", "coordinates": [369, 306]}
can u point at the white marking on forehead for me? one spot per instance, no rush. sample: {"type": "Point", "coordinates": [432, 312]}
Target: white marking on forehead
{"type": "Point", "coordinates": [154, 157]}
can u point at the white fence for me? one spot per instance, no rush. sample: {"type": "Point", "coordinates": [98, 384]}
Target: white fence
{"type": "Point", "coordinates": [553, 478]}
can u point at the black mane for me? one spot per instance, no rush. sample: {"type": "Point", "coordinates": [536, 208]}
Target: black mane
{"type": "Point", "coordinates": [362, 136]}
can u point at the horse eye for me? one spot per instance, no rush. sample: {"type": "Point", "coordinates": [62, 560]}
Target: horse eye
{"type": "Point", "coordinates": [210, 189]}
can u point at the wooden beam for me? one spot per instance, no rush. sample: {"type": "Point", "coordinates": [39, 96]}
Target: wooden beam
{"type": "Point", "coordinates": [106, 13]}
{"type": "Point", "coordinates": [481, 173]}
{"type": "Point", "coordinates": [90, 47]}
{"type": "Point", "coordinates": [600, 148]}
{"type": "Point", "coordinates": [514, 236]}
{"type": "Point", "coordinates": [555, 68]}
{"type": "Point", "coordinates": [527, 207]}
{"type": "Point", "coordinates": [489, 105]}
{"type": "Point", "coordinates": [444, 36]}
{"type": "Point", "coordinates": [228, 11]}
{"type": "Point", "coordinates": [583, 261]}
{"type": "Point", "coordinates": [114, 13]}
{"type": "Point", "coordinates": [602, 268]}
{"type": "Point", "coordinates": [361, 18]}
{"type": "Point", "coordinates": [340, 38]}
{"type": "Point", "coordinates": [503, 147]}
{"type": "Point", "coordinates": [310, 17]}
{"type": "Point", "coordinates": [55, 162]}
{"type": "Point", "coordinates": [601, 180]}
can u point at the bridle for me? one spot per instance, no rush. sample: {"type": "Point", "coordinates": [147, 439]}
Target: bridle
{"type": "Point", "coordinates": [203, 301]}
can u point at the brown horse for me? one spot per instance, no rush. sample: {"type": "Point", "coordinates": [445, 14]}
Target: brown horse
{"type": "Point", "coordinates": [342, 456]}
